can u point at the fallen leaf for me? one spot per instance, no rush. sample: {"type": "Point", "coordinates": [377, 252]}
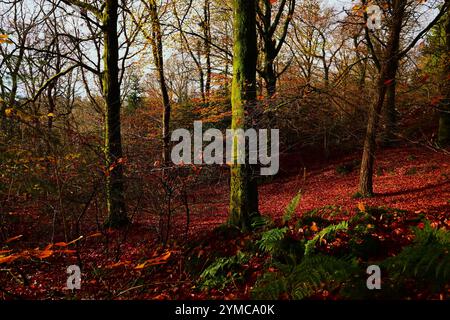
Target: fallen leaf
{"type": "Point", "coordinates": [361, 207]}
{"type": "Point", "coordinates": [9, 258]}
{"type": "Point", "coordinates": [44, 254]}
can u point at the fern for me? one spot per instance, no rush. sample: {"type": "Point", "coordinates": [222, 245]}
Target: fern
{"type": "Point", "coordinates": [223, 271]}
{"type": "Point", "coordinates": [290, 209]}
{"type": "Point", "coordinates": [315, 271]}
{"type": "Point", "coordinates": [326, 232]}
{"type": "Point", "coordinates": [270, 286]}
{"type": "Point", "coordinates": [303, 280]}
{"type": "Point", "coordinates": [427, 260]}
{"type": "Point", "coordinates": [261, 222]}
{"type": "Point", "coordinates": [271, 239]}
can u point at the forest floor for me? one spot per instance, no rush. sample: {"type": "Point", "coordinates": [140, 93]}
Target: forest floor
{"type": "Point", "coordinates": [132, 265]}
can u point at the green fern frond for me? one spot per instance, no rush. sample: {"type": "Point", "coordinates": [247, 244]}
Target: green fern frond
{"type": "Point", "coordinates": [271, 238]}
{"type": "Point", "coordinates": [216, 275]}
{"type": "Point", "coordinates": [303, 280]}
{"type": "Point", "coordinates": [290, 209]}
{"type": "Point", "coordinates": [261, 222]}
{"type": "Point", "coordinates": [326, 232]}
{"type": "Point", "coordinates": [427, 260]}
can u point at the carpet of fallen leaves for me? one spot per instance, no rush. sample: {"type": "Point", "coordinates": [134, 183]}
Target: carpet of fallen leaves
{"type": "Point", "coordinates": [131, 264]}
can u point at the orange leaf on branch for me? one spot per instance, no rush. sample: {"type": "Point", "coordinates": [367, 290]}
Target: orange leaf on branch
{"type": "Point", "coordinates": [97, 234]}
{"type": "Point", "coordinates": [14, 238]}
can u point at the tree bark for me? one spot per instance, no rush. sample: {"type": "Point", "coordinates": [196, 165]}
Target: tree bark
{"type": "Point", "coordinates": [244, 190]}
{"type": "Point", "coordinates": [387, 72]}
{"type": "Point", "coordinates": [444, 119]}
{"type": "Point", "coordinates": [207, 44]}
{"type": "Point", "coordinates": [271, 48]}
{"type": "Point", "coordinates": [157, 47]}
{"type": "Point", "coordinates": [390, 116]}
{"type": "Point", "coordinates": [115, 201]}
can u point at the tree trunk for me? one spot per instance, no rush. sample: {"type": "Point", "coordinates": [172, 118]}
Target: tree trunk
{"type": "Point", "coordinates": [208, 39]}
{"type": "Point", "coordinates": [444, 120]}
{"type": "Point", "coordinates": [270, 76]}
{"type": "Point", "coordinates": [268, 31]}
{"type": "Point", "coordinates": [390, 116]}
{"type": "Point", "coordinates": [115, 201]}
{"type": "Point", "coordinates": [388, 70]}
{"type": "Point", "coordinates": [366, 174]}
{"type": "Point", "coordinates": [244, 190]}
{"type": "Point", "coordinates": [157, 47]}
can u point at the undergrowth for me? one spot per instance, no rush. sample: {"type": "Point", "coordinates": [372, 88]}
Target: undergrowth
{"type": "Point", "coordinates": [313, 257]}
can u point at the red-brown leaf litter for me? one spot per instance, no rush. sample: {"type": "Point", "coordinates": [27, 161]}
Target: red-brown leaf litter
{"type": "Point", "coordinates": [413, 179]}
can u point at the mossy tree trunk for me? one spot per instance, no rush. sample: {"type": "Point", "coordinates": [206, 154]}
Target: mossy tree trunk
{"type": "Point", "coordinates": [108, 17]}
{"type": "Point", "coordinates": [115, 201]}
{"type": "Point", "coordinates": [444, 119]}
{"type": "Point", "coordinates": [244, 190]}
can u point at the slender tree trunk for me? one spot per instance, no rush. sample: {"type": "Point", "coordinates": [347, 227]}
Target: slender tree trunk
{"type": "Point", "coordinates": [244, 190]}
{"type": "Point", "coordinates": [201, 73]}
{"type": "Point", "coordinates": [51, 105]}
{"type": "Point", "coordinates": [444, 119]}
{"type": "Point", "coordinates": [366, 174]}
{"type": "Point", "coordinates": [207, 35]}
{"type": "Point", "coordinates": [390, 116]}
{"type": "Point", "coordinates": [157, 47]}
{"type": "Point", "coordinates": [51, 91]}
{"type": "Point", "coordinates": [386, 78]}
{"type": "Point", "coordinates": [270, 36]}
{"type": "Point", "coordinates": [271, 77]}
{"type": "Point", "coordinates": [7, 124]}
{"type": "Point", "coordinates": [115, 201]}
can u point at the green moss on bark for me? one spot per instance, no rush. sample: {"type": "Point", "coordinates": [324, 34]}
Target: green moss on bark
{"type": "Point", "coordinates": [244, 192]}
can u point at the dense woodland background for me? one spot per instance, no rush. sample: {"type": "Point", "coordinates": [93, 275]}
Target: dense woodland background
{"type": "Point", "coordinates": [91, 90]}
